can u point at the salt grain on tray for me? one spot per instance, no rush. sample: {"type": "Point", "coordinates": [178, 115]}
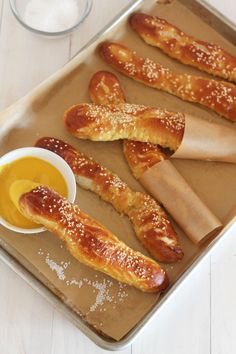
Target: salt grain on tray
{"type": "Point", "coordinates": [102, 288]}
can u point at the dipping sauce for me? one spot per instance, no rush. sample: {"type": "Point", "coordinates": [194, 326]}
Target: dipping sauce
{"type": "Point", "coordinates": [27, 168]}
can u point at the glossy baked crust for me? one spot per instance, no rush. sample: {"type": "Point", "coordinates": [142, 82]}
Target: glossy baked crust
{"type": "Point", "coordinates": [149, 220]}
{"type": "Point", "coordinates": [219, 96]}
{"type": "Point", "coordinates": [205, 56]}
{"type": "Point", "coordinates": [126, 121]}
{"type": "Point", "coordinates": [105, 88]}
{"type": "Point", "coordinates": [141, 156]}
{"type": "Point", "coordinates": [90, 242]}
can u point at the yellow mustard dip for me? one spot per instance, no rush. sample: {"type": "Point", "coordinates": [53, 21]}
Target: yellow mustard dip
{"type": "Point", "coordinates": [27, 168]}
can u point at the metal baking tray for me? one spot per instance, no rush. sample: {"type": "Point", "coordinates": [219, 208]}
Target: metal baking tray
{"type": "Point", "coordinates": [11, 257]}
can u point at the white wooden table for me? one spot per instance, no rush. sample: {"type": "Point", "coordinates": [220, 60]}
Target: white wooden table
{"type": "Point", "coordinates": [202, 317]}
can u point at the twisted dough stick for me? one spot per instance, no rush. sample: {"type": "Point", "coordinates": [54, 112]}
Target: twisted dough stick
{"type": "Point", "coordinates": [126, 121]}
{"type": "Point", "coordinates": [220, 96]}
{"type": "Point", "coordinates": [205, 56]}
{"type": "Point", "coordinates": [90, 242]}
{"type": "Point", "coordinates": [150, 222]}
{"type": "Point", "coordinates": [105, 88]}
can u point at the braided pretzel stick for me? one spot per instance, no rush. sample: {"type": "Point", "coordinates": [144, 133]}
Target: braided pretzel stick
{"type": "Point", "coordinates": [87, 240]}
{"type": "Point", "coordinates": [188, 50]}
{"type": "Point", "coordinates": [105, 88]}
{"type": "Point", "coordinates": [220, 96]}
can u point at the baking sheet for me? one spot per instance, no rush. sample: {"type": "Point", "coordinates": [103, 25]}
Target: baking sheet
{"type": "Point", "coordinates": [112, 308]}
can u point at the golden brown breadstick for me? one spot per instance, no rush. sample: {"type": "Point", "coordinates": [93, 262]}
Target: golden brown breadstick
{"type": "Point", "coordinates": [126, 121]}
{"type": "Point", "coordinates": [105, 88]}
{"type": "Point", "coordinates": [141, 156]}
{"type": "Point", "coordinates": [90, 242]}
{"type": "Point", "coordinates": [220, 96]}
{"type": "Point", "coordinates": [205, 56]}
{"type": "Point", "coordinates": [150, 221]}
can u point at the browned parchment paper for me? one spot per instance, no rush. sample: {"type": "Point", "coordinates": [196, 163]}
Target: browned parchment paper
{"type": "Point", "coordinates": [41, 112]}
{"type": "Point", "coordinates": [204, 140]}
{"type": "Point", "coordinates": [165, 183]}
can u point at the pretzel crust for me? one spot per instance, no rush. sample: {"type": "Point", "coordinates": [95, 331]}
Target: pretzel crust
{"type": "Point", "coordinates": [126, 121]}
{"type": "Point", "coordinates": [219, 96]}
{"type": "Point", "coordinates": [141, 156]}
{"type": "Point", "coordinates": [188, 50]}
{"type": "Point", "coordinates": [150, 221]}
{"type": "Point", "coordinates": [90, 242]}
{"type": "Point", "coordinates": [105, 88]}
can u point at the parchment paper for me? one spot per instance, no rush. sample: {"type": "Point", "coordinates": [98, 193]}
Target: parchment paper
{"type": "Point", "coordinates": [204, 140]}
{"type": "Point", "coordinates": [165, 183]}
{"type": "Point", "coordinates": [40, 114]}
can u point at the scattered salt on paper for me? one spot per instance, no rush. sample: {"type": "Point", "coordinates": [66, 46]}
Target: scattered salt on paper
{"type": "Point", "coordinates": [51, 15]}
{"type": "Point", "coordinates": [59, 269]}
{"type": "Point", "coordinates": [102, 289]}
{"type": "Point", "coordinates": [102, 295]}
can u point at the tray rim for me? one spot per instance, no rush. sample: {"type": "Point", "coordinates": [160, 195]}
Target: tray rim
{"type": "Point", "coordinates": [208, 8]}
{"type": "Point", "coordinates": [52, 298]}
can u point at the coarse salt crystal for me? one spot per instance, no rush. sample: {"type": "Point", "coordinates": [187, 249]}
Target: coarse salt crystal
{"type": "Point", "coordinates": [56, 268]}
{"type": "Point", "coordinates": [51, 15]}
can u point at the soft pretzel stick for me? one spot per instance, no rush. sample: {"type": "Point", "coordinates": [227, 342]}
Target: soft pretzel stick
{"type": "Point", "coordinates": [188, 136]}
{"type": "Point", "coordinates": [90, 242]}
{"type": "Point", "coordinates": [158, 176]}
{"type": "Point", "coordinates": [205, 56]}
{"type": "Point", "coordinates": [105, 88]}
{"type": "Point", "coordinates": [220, 96]}
{"type": "Point", "coordinates": [150, 221]}
{"type": "Point", "coordinates": [126, 121]}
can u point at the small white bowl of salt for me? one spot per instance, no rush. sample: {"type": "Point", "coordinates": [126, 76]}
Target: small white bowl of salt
{"type": "Point", "coordinates": [51, 17]}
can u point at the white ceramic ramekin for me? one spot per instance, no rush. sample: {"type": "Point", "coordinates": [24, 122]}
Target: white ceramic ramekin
{"type": "Point", "coordinates": [55, 161]}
